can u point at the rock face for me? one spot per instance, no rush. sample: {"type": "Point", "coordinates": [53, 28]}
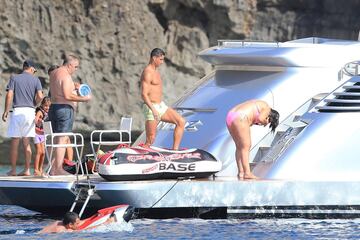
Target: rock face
{"type": "Point", "coordinates": [114, 38]}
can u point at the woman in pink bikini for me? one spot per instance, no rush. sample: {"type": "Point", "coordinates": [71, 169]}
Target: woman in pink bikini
{"type": "Point", "coordinates": [239, 120]}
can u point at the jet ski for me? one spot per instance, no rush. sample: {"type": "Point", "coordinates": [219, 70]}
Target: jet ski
{"type": "Point", "coordinates": [122, 212]}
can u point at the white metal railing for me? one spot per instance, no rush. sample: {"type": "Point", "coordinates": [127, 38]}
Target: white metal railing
{"type": "Point", "coordinates": [352, 68]}
{"type": "Point", "coordinates": [100, 138]}
{"type": "Point", "coordinates": [51, 143]}
{"type": "Point", "coordinates": [243, 43]}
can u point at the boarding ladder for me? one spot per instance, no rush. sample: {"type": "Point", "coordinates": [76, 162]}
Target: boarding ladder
{"type": "Point", "coordinates": [83, 192]}
{"type": "Point", "coordinates": [270, 147]}
{"type": "Point", "coordinates": [344, 98]}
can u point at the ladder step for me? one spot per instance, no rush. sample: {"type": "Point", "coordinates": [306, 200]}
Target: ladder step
{"type": "Point", "coordinates": [83, 194]}
{"type": "Point", "coordinates": [262, 151]}
{"type": "Point", "coordinates": [296, 118]}
{"type": "Point", "coordinates": [351, 87]}
{"type": "Point", "coordinates": [335, 100]}
{"type": "Point", "coordinates": [278, 135]}
{"type": "Point", "coordinates": [346, 94]}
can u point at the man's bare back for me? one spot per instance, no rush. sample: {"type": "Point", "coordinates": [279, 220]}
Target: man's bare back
{"type": "Point", "coordinates": [72, 223]}
{"type": "Point", "coordinates": [55, 227]}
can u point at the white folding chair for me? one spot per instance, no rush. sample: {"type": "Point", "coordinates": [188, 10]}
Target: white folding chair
{"type": "Point", "coordinates": [76, 142]}
{"type": "Point", "coordinates": [98, 137]}
{"type": "Point", "coordinates": [125, 128]}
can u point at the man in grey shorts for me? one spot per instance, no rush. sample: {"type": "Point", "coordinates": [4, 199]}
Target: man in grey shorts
{"type": "Point", "coordinates": [63, 102]}
{"type": "Point", "coordinates": [24, 91]}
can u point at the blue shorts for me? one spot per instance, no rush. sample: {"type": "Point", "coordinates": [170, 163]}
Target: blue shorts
{"type": "Point", "coordinates": [61, 117]}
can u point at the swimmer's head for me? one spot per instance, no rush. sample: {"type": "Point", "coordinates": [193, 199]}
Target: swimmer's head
{"type": "Point", "coordinates": [71, 220]}
{"type": "Point", "coordinates": [273, 119]}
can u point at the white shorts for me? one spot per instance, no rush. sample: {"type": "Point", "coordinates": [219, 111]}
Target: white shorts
{"type": "Point", "coordinates": [22, 122]}
{"type": "Point", "coordinates": [160, 107]}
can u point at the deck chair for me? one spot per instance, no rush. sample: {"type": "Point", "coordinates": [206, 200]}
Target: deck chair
{"type": "Point", "coordinates": [125, 128]}
{"type": "Point", "coordinates": [98, 137]}
{"type": "Point", "coordinates": [76, 142]}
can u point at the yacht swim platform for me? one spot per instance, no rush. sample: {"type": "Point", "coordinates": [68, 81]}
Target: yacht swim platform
{"type": "Point", "coordinates": [218, 197]}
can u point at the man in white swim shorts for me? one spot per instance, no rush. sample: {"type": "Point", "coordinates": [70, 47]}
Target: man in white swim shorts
{"type": "Point", "coordinates": [154, 108]}
{"type": "Point", "coordinates": [159, 107]}
{"type": "Point", "coordinates": [22, 90]}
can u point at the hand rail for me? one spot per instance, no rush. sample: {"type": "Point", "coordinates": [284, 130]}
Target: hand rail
{"type": "Point", "coordinates": [103, 142]}
{"type": "Point", "coordinates": [355, 65]}
{"type": "Point", "coordinates": [244, 43]}
{"type": "Point", "coordinates": [78, 142]}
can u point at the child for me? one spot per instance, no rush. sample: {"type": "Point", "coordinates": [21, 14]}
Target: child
{"type": "Point", "coordinates": [40, 116]}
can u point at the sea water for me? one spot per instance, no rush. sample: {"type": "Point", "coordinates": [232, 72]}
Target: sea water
{"type": "Point", "coordinates": [20, 223]}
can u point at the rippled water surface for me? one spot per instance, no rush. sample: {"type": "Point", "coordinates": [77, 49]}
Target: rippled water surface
{"type": "Point", "coordinates": [19, 223]}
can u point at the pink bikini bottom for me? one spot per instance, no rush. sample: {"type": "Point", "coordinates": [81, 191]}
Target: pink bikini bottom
{"type": "Point", "coordinates": [232, 115]}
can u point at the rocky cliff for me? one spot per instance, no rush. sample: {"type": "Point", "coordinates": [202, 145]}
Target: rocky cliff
{"type": "Point", "coordinates": [113, 39]}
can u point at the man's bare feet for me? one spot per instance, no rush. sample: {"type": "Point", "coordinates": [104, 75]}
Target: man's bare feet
{"type": "Point", "coordinates": [250, 176]}
{"type": "Point", "coordinates": [24, 173]}
{"type": "Point", "coordinates": [11, 173]}
{"type": "Point", "coordinates": [37, 173]}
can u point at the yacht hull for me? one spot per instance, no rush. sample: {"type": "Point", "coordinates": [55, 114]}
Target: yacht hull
{"type": "Point", "coordinates": [221, 197]}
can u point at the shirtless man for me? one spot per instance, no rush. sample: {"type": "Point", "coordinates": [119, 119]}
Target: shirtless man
{"type": "Point", "coordinates": [61, 113]}
{"type": "Point", "coordinates": [154, 108]}
{"type": "Point", "coordinates": [70, 223]}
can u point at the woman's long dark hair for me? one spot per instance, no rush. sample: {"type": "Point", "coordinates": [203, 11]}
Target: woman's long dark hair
{"type": "Point", "coordinates": [273, 119]}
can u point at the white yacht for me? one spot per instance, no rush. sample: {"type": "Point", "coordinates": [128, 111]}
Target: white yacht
{"type": "Point", "coordinates": [308, 167]}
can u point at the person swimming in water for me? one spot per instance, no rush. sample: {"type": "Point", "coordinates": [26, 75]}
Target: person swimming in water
{"type": "Point", "coordinates": [70, 223]}
{"type": "Point", "coordinates": [239, 120]}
